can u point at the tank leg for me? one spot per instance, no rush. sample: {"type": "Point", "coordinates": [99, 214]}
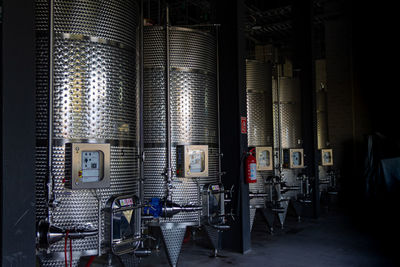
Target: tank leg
{"type": "Point", "coordinates": [215, 252]}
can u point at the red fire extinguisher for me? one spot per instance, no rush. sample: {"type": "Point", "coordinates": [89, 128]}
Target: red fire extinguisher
{"type": "Point", "coordinates": [251, 168]}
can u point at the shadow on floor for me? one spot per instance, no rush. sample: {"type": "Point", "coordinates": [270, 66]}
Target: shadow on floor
{"type": "Point", "coordinates": [332, 240]}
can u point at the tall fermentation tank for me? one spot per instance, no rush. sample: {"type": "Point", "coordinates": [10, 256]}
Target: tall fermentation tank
{"type": "Point", "coordinates": [326, 174]}
{"type": "Point", "coordinates": [322, 133]}
{"type": "Point", "coordinates": [287, 124]}
{"type": "Point", "coordinates": [92, 101]}
{"type": "Point", "coordinates": [193, 119]}
{"type": "Point", "coordinates": [193, 101]}
{"type": "Point", "coordinates": [290, 113]}
{"type": "Point", "coordinates": [321, 103]}
{"type": "Point", "coordinates": [260, 122]}
{"type": "Point", "coordinates": [322, 119]}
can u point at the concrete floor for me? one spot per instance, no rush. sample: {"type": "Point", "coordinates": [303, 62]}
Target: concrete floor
{"type": "Point", "coordinates": [329, 241]}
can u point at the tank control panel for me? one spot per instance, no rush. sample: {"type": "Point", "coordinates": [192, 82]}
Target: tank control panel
{"type": "Point", "coordinates": [264, 158]}
{"type": "Point", "coordinates": [88, 166]}
{"type": "Point", "coordinates": [192, 161]}
{"type": "Point", "coordinates": [326, 157]}
{"type": "Point", "coordinates": [91, 166]}
{"type": "Point", "coordinates": [293, 158]}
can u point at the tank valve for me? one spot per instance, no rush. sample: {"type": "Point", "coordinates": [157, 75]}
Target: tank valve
{"type": "Point", "coordinates": [257, 195]}
{"type": "Point", "coordinates": [48, 234]}
{"type": "Point", "coordinates": [167, 209]}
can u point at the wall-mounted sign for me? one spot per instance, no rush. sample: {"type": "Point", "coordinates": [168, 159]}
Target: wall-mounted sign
{"type": "Point", "coordinates": [243, 125]}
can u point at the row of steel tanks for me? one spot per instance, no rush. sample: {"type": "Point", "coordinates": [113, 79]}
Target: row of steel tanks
{"type": "Point", "coordinates": [128, 137]}
{"type": "Point", "coordinates": [275, 138]}
{"type": "Point", "coordinates": [97, 192]}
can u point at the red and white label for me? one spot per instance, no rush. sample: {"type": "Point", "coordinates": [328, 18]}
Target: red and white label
{"type": "Point", "coordinates": [126, 202]}
{"type": "Point", "coordinates": [243, 125]}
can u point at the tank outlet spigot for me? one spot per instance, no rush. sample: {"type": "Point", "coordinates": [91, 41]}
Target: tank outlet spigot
{"type": "Point", "coordinates": [48, 234]}
{"type": "Point", "coordinates": [258, 195]}
{"type": "Point", "coordinates": [221, 227]}
{"type": "Point", "coordinates": [159, 208]}
{"type": "Point", "coordinates": [142, 252]}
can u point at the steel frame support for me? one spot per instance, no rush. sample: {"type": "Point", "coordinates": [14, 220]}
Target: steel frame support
{"type": "Point", "coordinates": [304, 64]}
{"type": "Point", "coordinates": [230, 14]}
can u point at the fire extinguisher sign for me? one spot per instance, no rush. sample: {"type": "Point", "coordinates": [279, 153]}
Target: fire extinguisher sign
{"type": "Point", "coordinates": [243, 125]}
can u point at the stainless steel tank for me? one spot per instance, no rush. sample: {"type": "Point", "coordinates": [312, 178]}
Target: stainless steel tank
{"type": "Point", "coordinates": [94, 101]}
{"type": "Point", "coordinates": [287, 130]}
{"type": "Point", "coordinates": [290, 113]}
{"type": "Point", "coordinates": [322, 118]}
{"type": "Point", "coordinates": [326, 174]}
{"type": "Point", "coordinates": [322, 133]}
{"type": "Point", "coordinates": [321, 103]}
{"type": "Point", "coordinates": [194, 119]}
{"type": "Point", "coordinates": [260, 122]}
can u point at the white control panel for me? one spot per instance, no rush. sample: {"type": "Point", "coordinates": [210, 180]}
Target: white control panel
{"type": "Point", "coordinates": [89, 166]}
{"type": "Point", "coordinates": [264, 158]}
{"type": "Point", "coordinates": [326, 157]}
{"type": "Point", "coordinates": [293, 158]}
{"type": "Point", "coordinates": [296, 159]}
{"type": "Point", "coordinates": [192, 161]}
{"type": "Point", "coordinates": [196, 161]}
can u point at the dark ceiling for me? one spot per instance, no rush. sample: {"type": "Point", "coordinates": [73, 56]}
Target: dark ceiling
{"type": "Point", "coordinates": [266, 22]}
